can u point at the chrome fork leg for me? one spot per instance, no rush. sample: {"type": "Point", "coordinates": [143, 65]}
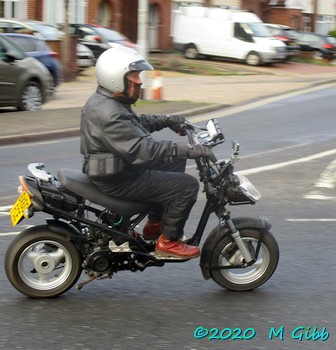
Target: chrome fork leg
{"type": "Point", "coordinates": [236, 236]}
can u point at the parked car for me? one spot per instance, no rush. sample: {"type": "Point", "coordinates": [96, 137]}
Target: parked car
{"type": "Point", "coordinates": [85, 57]}
{"type": "Point", "coordinates": [39, 49]}
{"type": "Point", "coordinates": [324, 46]}
{"type": "Point", "coordinates": [25, 82]}
{"type": "Point", "coordinates": [42, 31]}
{"type": "Point", "coordinates": [28, 26]}
{"type": "Point", "coordinates": [287, 35]}
{"type": "Point", "coordinates": [98, 38]}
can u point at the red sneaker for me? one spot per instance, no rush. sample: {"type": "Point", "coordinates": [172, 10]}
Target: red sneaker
{"type": "Point", "coordinates": [178, 249]}
{"type": "Point", "coordinates": [151, 230]}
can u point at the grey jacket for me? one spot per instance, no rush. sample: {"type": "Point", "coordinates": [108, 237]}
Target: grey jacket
{"type": "Point", "coordinates": [109, 126]}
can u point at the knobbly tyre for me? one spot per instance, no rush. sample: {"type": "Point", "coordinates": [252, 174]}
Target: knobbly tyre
{"type": "Point", "coordinates": [88, 230]}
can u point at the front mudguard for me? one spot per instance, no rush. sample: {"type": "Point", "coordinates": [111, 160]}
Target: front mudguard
{"type": "Point", "coordinates": [218, 234]}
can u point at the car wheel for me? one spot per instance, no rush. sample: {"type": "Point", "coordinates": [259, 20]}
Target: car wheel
{"type": "Point", "coordinates": [318, 55]}
{"type": "Point", "coordinates": [31, 98]}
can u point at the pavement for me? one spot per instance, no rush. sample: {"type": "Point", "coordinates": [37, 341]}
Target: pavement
{"type": "Point", "coordinates": [180, 93]}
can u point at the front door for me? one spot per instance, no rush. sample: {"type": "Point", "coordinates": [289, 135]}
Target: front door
{"type": "Point", "coordinates": [153, 28]}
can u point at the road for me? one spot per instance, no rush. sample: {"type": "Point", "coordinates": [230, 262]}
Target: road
{"type": "Point", "coordinates": [288, 150]}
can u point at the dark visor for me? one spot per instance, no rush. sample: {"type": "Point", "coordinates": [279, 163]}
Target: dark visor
{"type": "Point", "coordinates": [140, 65]}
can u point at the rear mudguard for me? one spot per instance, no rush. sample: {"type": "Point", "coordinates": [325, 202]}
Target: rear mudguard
{"type": "Point", "coordinates": [69, 231]}
{"type": "Point", "coordinates": [218, 234]}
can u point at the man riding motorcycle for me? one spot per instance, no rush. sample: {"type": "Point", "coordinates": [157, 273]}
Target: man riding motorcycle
{"type": "Point", "coordinates": [124, 160]}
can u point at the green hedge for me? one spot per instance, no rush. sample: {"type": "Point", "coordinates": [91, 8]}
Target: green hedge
{"type": "Point", "coordinates": [333, 33]}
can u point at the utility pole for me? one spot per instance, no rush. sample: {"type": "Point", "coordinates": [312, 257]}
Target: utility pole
{"type": "Point", "coordinates": [314, 17]}
{"type": "Point", "coordinates": [65, 42]}
{"type": "Point", "coordinates": [142, 39]}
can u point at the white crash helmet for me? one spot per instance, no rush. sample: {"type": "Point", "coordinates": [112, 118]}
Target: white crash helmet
{"type": "Point", "coordinates": [113, 65]}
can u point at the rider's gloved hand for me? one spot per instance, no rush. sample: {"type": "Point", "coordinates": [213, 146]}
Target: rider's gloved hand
{"type": "Point", "coordinates": [194, 151]}
{"type": "Point", "coordinates": [175, 123]}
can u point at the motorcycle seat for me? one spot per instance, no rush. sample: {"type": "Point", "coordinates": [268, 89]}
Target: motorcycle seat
{"type": "Point", "coordinates": [80, 184]}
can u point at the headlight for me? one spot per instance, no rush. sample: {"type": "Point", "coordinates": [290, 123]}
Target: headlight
{"type": "Point", "coordinates": [246, 186]}
{"type": "Point", "coordinates": [242, 191]}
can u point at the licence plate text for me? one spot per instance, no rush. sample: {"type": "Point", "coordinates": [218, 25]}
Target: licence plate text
{"type": "Point", "coordinates": [17, 211]}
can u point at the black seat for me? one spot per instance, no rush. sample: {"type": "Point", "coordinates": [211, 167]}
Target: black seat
{"type": "Point", "coordinates": [80, 184]}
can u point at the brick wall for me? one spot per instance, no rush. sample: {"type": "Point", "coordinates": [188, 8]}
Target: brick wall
{"type": "Point", "coordinates": [274, 14]}
{"type": "Point", "coordinates": [124, 18]}
{"type": "Point", "coordinates": [164, 9]}
{"type": "Point", "coordinates": [286, 16]}
{"type": "Point", "coordinates": [69, 71]}
{"type": "Point", "coordinates": [35, 10]}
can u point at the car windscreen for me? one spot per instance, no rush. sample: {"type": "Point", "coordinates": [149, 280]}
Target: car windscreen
{"type": "Point", "coordinates": [110, 35]}
{"type": "Point", "coordinates": [10, 46]}
{"type": "Point", "coordinates": [26, 44]}
{"type": "Point", "coordinates": [48, 32]}
{"type": "Point", "coordinates": [257, 29]}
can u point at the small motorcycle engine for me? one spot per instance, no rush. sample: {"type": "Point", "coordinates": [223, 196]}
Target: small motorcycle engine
{"type": "Point", "coordinates": [99, 260]}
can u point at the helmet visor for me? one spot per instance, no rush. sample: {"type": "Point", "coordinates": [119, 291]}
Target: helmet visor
{"type": "Point", "coordinates": [140, 65]}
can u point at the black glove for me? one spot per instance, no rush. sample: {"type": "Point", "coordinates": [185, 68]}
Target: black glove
{"type": "Point", "coordinates": [194, 151]}
{"type": "Point", "coordinates": [175, 122]}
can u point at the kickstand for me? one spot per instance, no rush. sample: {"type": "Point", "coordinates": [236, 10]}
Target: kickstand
{"type": "Point", "coordinates": [90, 279]}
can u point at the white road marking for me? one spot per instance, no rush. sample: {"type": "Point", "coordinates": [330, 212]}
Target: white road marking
{"type": "Point", "coordinates": [5, 207]}
{"type": "Point", "coordinates": [328, 177]}
{"type": "Point", "coordinates": [327, 180]}
{"type": "Point", "coordinates": [264, 101]}
{"type": "Point", "coordinates": [4, 210]}
{"type": "Point", "coordinates": [4, 234]}
{"type": "Point", "coordinates": [291, 162]}
{"type": "Point", "coordinates": [312, 220]}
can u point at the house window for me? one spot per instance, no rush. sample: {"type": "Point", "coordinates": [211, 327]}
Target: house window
{"type": "Point", "coordinates": [13, 8]}
{"type": "Point", "coordinates": [295, 22]}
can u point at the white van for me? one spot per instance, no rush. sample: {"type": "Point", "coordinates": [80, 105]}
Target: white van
{"type": "Point", "coordinates": [220, 32]}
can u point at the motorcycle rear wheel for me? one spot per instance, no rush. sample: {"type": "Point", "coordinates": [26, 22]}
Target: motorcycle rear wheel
{"type": "Point", "coordinates": [226, 253]}
{"type": "Point", "coordinates": [40, 263]}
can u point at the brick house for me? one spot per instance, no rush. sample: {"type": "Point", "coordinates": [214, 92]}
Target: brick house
{"type": "Point", "coordinates": [276, 12]}
{"type": "Point", "coordinates": [122, 15]}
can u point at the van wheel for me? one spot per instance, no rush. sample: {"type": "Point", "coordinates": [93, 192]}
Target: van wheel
{"type": "Point", "coordinates": [253, 59]}
{"type": "Point", "coordinates": [191, 52]}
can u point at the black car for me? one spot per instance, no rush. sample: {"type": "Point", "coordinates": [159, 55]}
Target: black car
{"type": "Point", "coordinates": [324, 46]}
{"type": "Point", "coordinates": [98, 38]}
{"type": "Point", "coordinates": [287, 35]}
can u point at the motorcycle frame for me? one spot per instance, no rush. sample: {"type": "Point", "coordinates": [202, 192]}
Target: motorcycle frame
{"type": "Point", "coordinates": [212, 205]}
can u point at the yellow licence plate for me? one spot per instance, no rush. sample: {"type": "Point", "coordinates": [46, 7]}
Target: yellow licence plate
{"type": "Point", "coordinates": [17, 211]}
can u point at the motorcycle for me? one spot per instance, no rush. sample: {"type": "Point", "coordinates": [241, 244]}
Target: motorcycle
{"type": "Point", "coordinates": [86, 230]}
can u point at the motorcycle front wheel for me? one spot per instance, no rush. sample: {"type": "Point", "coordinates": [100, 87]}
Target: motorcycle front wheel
{"type": "Point", "coordinates": [40, 263]}
{"type": "Point", "coordinates": [227, 254]}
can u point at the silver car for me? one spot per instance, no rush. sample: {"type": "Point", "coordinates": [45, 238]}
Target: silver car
{"type": "Point", "coordinates": [25, 83]}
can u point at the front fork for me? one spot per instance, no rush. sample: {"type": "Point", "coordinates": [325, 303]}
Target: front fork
{"type": "Point", "coordinates": [236, 236]}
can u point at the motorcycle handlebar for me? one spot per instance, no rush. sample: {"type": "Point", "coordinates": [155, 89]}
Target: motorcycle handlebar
{"type": "Point", "coordinates": [190, 132]}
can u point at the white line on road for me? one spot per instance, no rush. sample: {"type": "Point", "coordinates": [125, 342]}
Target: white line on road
{"type": "Point", "coordinates": [284, 164]}
{"type": "Point", "coordinates": [5, 207]}
{"type": "Point", "coordinates": [264, 101]}
{"type": "Point", "coordinates": [9, 234]}
{"type": "Point", "coordinates": [312, 220]}
{"type": "Point", "coordinates": [328, 177]}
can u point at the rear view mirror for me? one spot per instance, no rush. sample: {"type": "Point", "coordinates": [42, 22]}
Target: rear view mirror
{"type": "Point", "coordinates": [214, 130]}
